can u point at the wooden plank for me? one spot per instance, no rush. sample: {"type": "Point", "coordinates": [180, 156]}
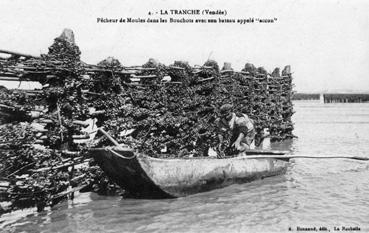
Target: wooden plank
{"type": "Point", "coordinates": [176, 68]}
{"type": "Point", "coordinates": [9, 79]}
{"type": "Point", "coordinates": [205, 79]}
{"type": "Point", "coordinates": [144, 76]}
{"type": "Point", "coordinates": [307, 157]}
{"type": "Point", "coordinates": [225, 71]}
{"type": "Point", "coordinates": [17, 54]}
{"type": "Point", "coordinates": [138, 68]}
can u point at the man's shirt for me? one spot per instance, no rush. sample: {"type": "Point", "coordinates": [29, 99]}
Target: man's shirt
{"type": "Point", "coordinates": [239, 123]}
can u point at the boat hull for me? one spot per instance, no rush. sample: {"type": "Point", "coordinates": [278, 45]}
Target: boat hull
{"type": "Point", "coordinates": [147, 177]}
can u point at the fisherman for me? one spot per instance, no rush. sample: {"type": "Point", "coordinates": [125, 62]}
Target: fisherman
{"type": "Point", "coordinates": [241, 127]}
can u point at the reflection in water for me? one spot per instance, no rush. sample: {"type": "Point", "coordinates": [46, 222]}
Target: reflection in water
{"type": "Point", "coordinates": [314, 192]}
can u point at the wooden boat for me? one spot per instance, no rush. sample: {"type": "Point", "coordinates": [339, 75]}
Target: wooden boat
{"type": "Point", "coordinates": [147, 177]}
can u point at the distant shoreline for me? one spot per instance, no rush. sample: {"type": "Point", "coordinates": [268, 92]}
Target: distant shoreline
{"type": "Point", "coordinates": [333, 97]}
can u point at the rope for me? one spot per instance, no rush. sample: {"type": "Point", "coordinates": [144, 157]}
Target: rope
{"type": "Point", "coordinates": [119, 155]}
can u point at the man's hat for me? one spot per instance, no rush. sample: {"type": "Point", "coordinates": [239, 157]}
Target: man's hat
{"type": "Point", "coordinates": [225, 109]}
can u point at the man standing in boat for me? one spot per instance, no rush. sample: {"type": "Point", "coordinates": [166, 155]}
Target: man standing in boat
{"type": "Point", "coordinates": [240, 126]}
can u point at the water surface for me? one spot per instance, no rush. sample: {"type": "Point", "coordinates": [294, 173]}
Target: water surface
{"type": "Point", "coordinates": [314, 192]}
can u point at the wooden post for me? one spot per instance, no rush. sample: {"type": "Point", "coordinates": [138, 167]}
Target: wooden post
{"type": "Point", "coordinates": [110, 137]}
{"type": "Point", "coordinates": [60, 121]}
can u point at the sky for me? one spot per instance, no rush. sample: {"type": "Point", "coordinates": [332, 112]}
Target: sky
{"type": "Point", "coordinates": [326, 42]}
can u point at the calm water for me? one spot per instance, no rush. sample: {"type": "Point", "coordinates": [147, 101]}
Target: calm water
{"type": "Point", "coordinates": [314, 192]}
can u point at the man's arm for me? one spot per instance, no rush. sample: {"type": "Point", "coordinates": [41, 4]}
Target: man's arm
{"type": "Point", "coordinates": [242, 130]}
{"type": "Point", "coordinates": [221, 139]}
{"type": "Point", "coordinates": [220, 153]}
{"type": "Point", "coordinates": [237, 143]}
{"type": "Point", "coordinates": [220, 129]}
